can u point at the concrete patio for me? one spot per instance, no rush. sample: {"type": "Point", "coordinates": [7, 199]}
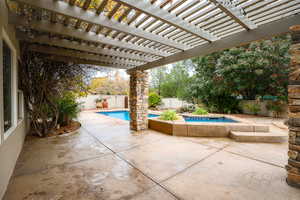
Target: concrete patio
{"type": "Point", "coordinates": [106, 161]}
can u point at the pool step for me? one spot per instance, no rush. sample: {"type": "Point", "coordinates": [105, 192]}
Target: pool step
{"type": "Point", "coordinates": [265, 137]}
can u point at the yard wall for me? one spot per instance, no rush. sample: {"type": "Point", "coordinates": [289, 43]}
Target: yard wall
{"type": "Point", "coordinates": [263, 108]}
{"type": "Point", "coordinates": [114, 101]}
{"type": "Point", "coordinates": [11, 142]}
{"type": "Point", "coordinates": [118, 101]}
{"type": "Point", "coordinates": [172, 103]}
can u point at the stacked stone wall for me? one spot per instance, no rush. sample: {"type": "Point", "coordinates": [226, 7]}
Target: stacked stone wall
{"type": "Point", "coordinates": [293, 166]}
{"type": "Point", "coordinates": [138, 100]}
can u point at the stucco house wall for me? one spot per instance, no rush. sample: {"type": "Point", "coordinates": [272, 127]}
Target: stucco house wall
{"type": "Point", "coordinates": [11, 141]}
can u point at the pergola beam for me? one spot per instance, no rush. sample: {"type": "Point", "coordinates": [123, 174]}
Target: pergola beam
{"type": "Point", "coordinates": [169, 18]}
{"type": "Point", "coordinates": [65, 9]}
{"type": "Point", "coordinates": [76, 46]}
{"type": "Point", "coordinates": [240, 19]}
{"type": "Point", "coordinates": [80, 55]}
{"type": "Point", "coordinates": [62, 30]}
{"type": "Point", "coordinates": [81, 61]}
{"type": "Point", "coordinates": [262, 32]}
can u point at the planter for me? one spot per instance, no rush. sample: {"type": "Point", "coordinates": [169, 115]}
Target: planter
{"type": "Point", "coordinates": [105, 104]}
{"type": "Point", "coordinates": [99, 104]}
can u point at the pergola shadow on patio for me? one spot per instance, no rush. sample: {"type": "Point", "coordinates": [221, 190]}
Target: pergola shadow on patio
{"type": "Point", "coordinates": [142, 34]}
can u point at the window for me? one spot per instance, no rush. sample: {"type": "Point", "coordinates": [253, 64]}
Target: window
{"type": "Point", "coordinates": [20, 105]}
{"type": "Point", "coordinates": [7, 86]}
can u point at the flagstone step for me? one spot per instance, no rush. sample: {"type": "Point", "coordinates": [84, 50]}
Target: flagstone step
{"type": "Point", "coordinates": [265, 137]}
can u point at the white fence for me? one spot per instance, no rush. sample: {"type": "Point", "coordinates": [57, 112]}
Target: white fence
{"type": "Point", "coordinates": [172, 103]}
{"type": "Point", "coordinates": [118, 101]}
{"type": "Point", "coordinates": [114, 101]}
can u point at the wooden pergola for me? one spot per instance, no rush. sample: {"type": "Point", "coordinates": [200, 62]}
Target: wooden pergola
{"type": "Point", "coordinates": [142, 34]}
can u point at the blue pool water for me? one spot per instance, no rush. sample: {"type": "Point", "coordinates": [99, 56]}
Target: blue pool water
{"type": "Point", "coordinates": [125, 116]}
{"type": "Point", "coordinates": [122, 114]}
{"type": "Point", "coordinates": [208, 119]}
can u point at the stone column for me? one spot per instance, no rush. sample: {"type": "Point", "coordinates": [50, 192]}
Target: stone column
{"type": "Point", "coordinates": [293, 167]}
{"type": "Point", "coordinates": [138, 100]}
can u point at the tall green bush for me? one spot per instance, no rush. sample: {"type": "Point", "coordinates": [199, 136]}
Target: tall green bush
{"type": "Point", "coordinates": [154, 100]}
{"type": "Point", "coordinates": [68, 108]}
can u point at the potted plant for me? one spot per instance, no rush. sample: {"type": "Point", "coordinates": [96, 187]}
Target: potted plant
{"type": "Point", "coordinates": [105, 104]}
{"type": "Point", "coordinates": [99, 103]}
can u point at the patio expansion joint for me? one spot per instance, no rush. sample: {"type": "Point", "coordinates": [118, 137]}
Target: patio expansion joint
{"type": "Point", "coordinates": [186, 139]}
{"type": "Point", "coordinates": [255, 159]}
{"type": "Point", "coordinates": [197, 162]}
{"type": "Point", "coordinates": [117, 155]}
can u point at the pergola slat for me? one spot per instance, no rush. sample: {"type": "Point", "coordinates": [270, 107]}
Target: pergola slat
{"type": "Point", "coordinates": [243, 37]}
{"type": "Point", "coordinates": [90, 17]}
{"type": "Point", "coordinates": [239, 18]}
{"type": "Point", "coordinates": [82, 55]}
{"type": "Point", "coordinates": [278, 16]}
{"type": "Point", "coordinates": [165, 16]}
{"type": "Point", "coordinates": [125, 13]}
{"type": "Point", "coordinates": [155, 32]}
{"type": "Point", "coordinates": [276, 10]}
{"type": "Point", "coordinates": [273, 7]}
{"type": "Point", "coordinates": [60, 29]}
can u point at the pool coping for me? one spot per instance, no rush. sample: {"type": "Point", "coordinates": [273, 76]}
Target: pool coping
{"type": "Point", "coordinates": [205, 129]}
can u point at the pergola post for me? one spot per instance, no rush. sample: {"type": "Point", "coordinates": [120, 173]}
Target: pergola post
{"type": "Point", "coordinates": [138, 100]}
{"type": "Point", "coordinates": [293, 167]}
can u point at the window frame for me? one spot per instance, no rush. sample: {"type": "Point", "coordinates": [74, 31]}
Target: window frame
{"type": "Point", "coordinates": [21, 104]}
{"type": "Point", "coordinates": [14, 78]}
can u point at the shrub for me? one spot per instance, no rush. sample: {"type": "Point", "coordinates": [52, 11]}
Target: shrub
{"type": "Point", "coordinates": [200, 111]}
{"type": "Point", "coordinates": [254, 108]}
{"type": "Point", "coordinates": [187, 108]}
{"type": "Point", "coordinates": [169, 115]}
{"type": "Point", "coordinates": [154, 100]}
{"type": "Point", "coordinates": [68, 108]}
{"type": "Point", "coordinates": [98, 100]}
{"type": "Point", "coordinates": [275, 107]}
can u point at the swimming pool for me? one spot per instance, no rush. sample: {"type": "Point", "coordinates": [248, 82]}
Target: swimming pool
{"type": "Point", "coordinates": [122, 114]}
{"type": "Point", "coordinates": [208, 119]}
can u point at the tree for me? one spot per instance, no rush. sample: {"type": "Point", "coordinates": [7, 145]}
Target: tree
{"type": "Point", "coordinates": [158, 76]}
{"type": "Point", "coordinates": [258, 69]}
{"type": "Point", "coordinates": [170, 83]}
{"type": "Point", "coordinates": [115, 85]}
{"type": "Point", "coordinates": [43, 82]}
{"type": "Point", "coordinates": [109, 6]}
{"type": "Point", "coordinates": [175, 82]}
